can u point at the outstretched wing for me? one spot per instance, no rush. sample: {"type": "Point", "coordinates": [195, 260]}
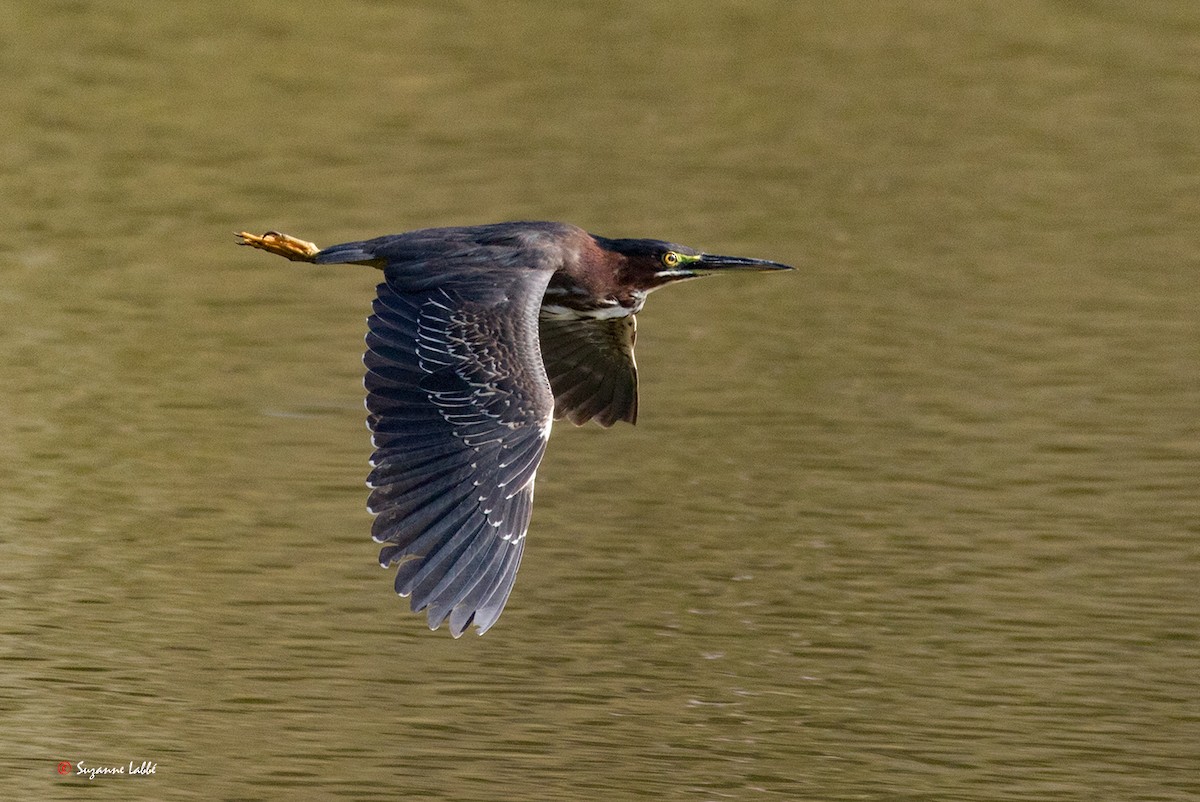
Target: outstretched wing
{"type": "Point", "coordinates": [591, 368]}
{"type": "Point", "coordinates": [460, 411]}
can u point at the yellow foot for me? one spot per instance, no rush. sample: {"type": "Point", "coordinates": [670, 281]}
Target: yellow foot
{"type": "Point", "coordinates": [281, 245]}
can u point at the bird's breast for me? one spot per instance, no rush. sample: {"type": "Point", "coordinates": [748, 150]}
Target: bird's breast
{"type": "Point", "coordinates": [562, 311]}
{"type": "Point", "coordinates": [568, 297]}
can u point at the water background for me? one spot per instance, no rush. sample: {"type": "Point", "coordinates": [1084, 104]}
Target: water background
{"type": "Point", "coordinates": [918, 521]}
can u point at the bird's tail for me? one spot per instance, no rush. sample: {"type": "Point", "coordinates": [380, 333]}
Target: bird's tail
{"type": "Point", "coordinates": [350, 253]}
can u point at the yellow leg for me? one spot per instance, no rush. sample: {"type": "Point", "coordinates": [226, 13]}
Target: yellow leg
{"type": "Point", "coordinates": [281, 245]}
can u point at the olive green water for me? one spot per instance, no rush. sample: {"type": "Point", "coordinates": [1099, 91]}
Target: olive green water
{"type": "Point", "coordinates": [918, 521]}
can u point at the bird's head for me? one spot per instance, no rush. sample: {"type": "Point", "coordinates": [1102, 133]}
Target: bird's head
{"type": "Point", "coordinates": [647, 264]}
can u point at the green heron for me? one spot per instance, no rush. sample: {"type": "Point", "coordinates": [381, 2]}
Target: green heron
{"type": "Point", "coordinates": [481, 336]}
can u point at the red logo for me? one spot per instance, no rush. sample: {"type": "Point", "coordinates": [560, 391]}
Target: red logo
{"type": "Point", "coordinates": [64, 767]}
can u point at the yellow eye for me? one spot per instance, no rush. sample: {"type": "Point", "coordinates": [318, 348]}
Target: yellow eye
{"type": "Point", "coordinates": [671, 259]}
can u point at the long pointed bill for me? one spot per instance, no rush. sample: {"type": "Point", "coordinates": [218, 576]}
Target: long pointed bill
{"type": "Point", "coordinates": [710, 263]}
{"type": "Point", "coordinates": [695, 265]}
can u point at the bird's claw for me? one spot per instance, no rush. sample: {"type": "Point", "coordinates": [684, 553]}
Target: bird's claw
{"type": "Point", "coordinates": [297, 250]}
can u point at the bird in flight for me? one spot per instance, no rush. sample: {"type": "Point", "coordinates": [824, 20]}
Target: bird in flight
{"type": "Point", "coordinates": [482, 336]}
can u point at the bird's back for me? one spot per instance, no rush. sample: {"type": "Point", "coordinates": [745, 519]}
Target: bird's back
{"type": "Point", "coordinates": [434, 256]}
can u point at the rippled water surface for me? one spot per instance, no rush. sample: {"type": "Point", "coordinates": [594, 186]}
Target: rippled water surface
{"type": "Point", "coordinates": [918, 521]}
